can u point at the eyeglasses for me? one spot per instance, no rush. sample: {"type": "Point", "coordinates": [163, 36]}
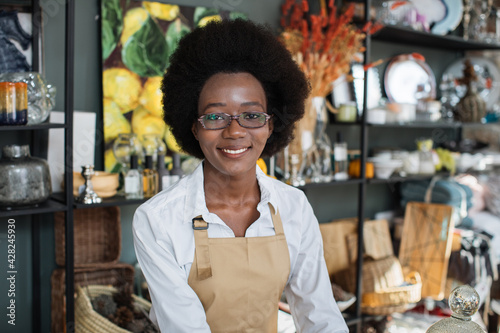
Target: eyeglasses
{"type": "Point", "coordinates": [216, 121]}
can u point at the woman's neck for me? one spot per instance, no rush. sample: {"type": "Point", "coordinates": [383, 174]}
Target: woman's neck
{"type": "Point", "coordinates": [232, 190]}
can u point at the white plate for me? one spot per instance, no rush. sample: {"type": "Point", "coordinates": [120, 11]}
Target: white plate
{"type": "Point", "coordinates": [454, 13]}
{"type": "Point", "coordinates": [433, 10]}
{"type": "Point", "coordinates": [407, 79]}
{"type": "Point", "coordinates": [488, 75]}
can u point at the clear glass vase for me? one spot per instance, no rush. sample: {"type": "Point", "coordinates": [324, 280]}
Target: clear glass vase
{"type": "Point", "coordinates": [41, 95]}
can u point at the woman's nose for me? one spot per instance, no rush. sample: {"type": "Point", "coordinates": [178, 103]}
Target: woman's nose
{"type": "Point", "coordinates": [235, 129]}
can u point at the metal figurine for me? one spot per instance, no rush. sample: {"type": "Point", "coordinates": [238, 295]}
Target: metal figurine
{"type": "Point", "coordinates": [88, 196]}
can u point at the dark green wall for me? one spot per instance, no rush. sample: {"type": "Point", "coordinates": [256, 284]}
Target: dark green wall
{"type": "Point", "coordinates": [328, 202]}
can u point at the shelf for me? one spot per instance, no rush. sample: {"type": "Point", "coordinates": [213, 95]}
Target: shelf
{"type": "Point", "coordinates": [49, 206]}
{"type": "Point", "coordinates": [107, 202]}
{"type": "Point", "coordinates": [397, 179]}
{"type": "Point", "coordinates": [32, 127]}
{"type": "Point", "coordinates": [436, 124]}
{"type": "Point", "coordinates": [114, 201]}
{"type": "Point", "coordinates": [332, 183]}
{"type": "Point", "coordinates": [399, 35]}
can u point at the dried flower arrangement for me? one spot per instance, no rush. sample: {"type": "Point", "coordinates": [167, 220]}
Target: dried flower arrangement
{"type": "Point", "coordinates": [324, 45]}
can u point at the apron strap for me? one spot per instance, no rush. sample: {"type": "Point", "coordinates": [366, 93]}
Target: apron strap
{"type": "Point", "coordinates": [278, 224]}
{"type": "Point", "coordinates": [202, 252]}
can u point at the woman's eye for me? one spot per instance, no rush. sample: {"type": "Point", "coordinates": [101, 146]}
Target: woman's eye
{"type": "Point", "coordinates": [252, 115]}
{"type": "Point", "coordinates": [213, 116]}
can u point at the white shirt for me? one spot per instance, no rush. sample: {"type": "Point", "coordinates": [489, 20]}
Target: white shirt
{"type": "Point", "coordinates": [164, 245]}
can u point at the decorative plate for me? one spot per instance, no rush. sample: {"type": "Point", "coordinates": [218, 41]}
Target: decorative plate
{"type": "Point", "coordinates": [488, 84]}
{"type": "Point", "coordinates": [454, 13]}
{"type": "Point", "coordinates": [408, 79]}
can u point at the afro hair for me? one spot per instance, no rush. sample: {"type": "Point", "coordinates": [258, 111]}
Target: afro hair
{"type": "Point", "coordinates": [233, 47]}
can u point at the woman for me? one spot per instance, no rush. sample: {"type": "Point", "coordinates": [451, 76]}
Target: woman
{"type": "Point", "coordinates": [219, 247]}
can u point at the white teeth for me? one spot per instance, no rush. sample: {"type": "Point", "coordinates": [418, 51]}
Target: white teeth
{"type": "Point", "coordinates": [239, 151]}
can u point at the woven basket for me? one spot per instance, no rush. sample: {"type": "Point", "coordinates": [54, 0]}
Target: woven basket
{"type": "Point", "coordinates": [97, 236]}
{"type": "Point", "coordinates": [116, 274]}
{"type": "Point", "coordinates": [386, 310]}
{"type": "Point", "coordinates": [410, 293]}
{"type": "Point", "coordinates": [377, 275]}
{"type": "Point", "coordinates": [89, 321]}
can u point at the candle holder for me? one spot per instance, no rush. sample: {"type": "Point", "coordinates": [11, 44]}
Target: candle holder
{"type": "Point", "coordinates": [88, 196]}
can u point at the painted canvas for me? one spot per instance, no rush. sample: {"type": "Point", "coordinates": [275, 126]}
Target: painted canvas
{"type": "Point", "coordinates": [138, 38]}
{"type": "Point", "coordinates": [15, 40]}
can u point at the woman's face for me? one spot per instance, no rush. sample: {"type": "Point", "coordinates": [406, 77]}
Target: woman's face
{"type": "Point", "coordinates": [233, 150]}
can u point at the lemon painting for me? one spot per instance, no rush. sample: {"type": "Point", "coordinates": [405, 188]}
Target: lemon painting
{"type": "Point", "coordinates": [137, 39]}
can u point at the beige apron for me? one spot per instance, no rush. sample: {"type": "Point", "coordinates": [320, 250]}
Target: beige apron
{"type": "Point", "coordinates": [239, 280]}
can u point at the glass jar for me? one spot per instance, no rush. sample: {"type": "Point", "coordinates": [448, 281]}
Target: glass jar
{"type": "Point", "coordinates": [25, 180]}
{"type": "Point", "coordinates": [41, 95]}
{"type": "Point", "coordinates": [13, 103]}
{"type": "Point", "coordinates": [124, 146]}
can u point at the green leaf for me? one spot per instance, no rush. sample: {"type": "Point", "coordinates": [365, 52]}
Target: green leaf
{"type": "Point", "coordinates": [145, 52]}
{"type": "Point", "coordinates": [201, 12]}
{"type": "Point", "coordinates": [111, 26]}
{"type": "Point", "coordinates": [176, 30]}
{"type": "Point", "coordinates": [236, 15]}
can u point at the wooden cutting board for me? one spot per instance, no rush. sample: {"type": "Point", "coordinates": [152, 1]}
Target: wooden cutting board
{"type": "Point", "coordinates": [426, 245]}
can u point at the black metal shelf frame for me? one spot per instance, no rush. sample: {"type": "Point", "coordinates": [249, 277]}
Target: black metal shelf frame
{"type": "Point", "coordinates": [401, 35]}
{"type": "Point", "coordinates": [396, 35]}
{"type": "Point", "coordinates": [32, 127]}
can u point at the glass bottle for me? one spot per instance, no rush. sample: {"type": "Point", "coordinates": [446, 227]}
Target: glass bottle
{"type": "Point", "coordinates": [176, 173]}
{"type": "Point", "coordinates": [153, 145]}
{"type": "Point", "coordinates": [426, 162]}
{"type": "Point", "coordinates": [133, 180]}
{"type": "Point", "coordinates": [149, 178]}
{"type": "Point", "coordinates": [163, 174]}
{"type": "Point", "coordinates": [340, 156]}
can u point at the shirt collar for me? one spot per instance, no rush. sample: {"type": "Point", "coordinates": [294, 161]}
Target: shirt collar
{"type": "Point", "coordinates": [195, 204]}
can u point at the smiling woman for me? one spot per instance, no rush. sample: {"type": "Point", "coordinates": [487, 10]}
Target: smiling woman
{"type": "Point", "coordinates": [219, 247]}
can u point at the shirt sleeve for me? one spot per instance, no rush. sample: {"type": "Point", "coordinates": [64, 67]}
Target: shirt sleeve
{"type": "Point", "coordinates": [175, 305]}
{"type": "Point", "coordinates": [309, 291]}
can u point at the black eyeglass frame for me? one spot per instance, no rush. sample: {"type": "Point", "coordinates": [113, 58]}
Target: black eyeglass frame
{"type": "Point", "coordinates": [231, 118]}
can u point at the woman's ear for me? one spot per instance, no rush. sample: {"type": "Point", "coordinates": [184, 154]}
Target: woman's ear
{"type": "Point", "coordinates": [271, 127]}
{"type": "Point", "coordinates": [194, 129]}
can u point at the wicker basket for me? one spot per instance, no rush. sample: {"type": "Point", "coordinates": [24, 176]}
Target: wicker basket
{"type": "Point", "coordinates": [377, 275]}
{"type": "Point", "coordinates": [97, 236]}
{"type": "Point", "coordinates": [407, 294]}
{"type": "Point", "coordinates": [89, 321]}
{"type": "Point", "coordinates": [386, 310]}
{"type": "Point", "coordinates": [115, 275]}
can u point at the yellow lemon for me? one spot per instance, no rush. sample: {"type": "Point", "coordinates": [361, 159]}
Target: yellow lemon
{"type": "Point", "coordinates": [123, 87]}
{"type": "Point", "coordinates": [161, 11]}
{"type": "Point", "coordinates": [172, 144]}
{"type": "Point", "coordinates": [133, 21]}
{"type": "Point", "coordinates": [207, 19]}
{"type": "Point", "coordinates": [144, 122]}
{"type": "Point", "coordinates": [262, 164]}
{"type": "Point", "coordinates": [151, 96]}
{"type": "Point", "coordinates": [114, 121]}
{"type": "Point", "coordinates": [109, 160]}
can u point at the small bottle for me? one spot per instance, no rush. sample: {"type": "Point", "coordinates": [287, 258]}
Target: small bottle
{"type": "Point", "coordinates": [149, 178]}
{"type": "Point", "coordinates": [176, 173]}
{"type": "Point", "coordinates": [163, 174]}
{"type": "Point", "coordinates": [340, 155]}
{"type": "Point", "coordinates": [133, 180]}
